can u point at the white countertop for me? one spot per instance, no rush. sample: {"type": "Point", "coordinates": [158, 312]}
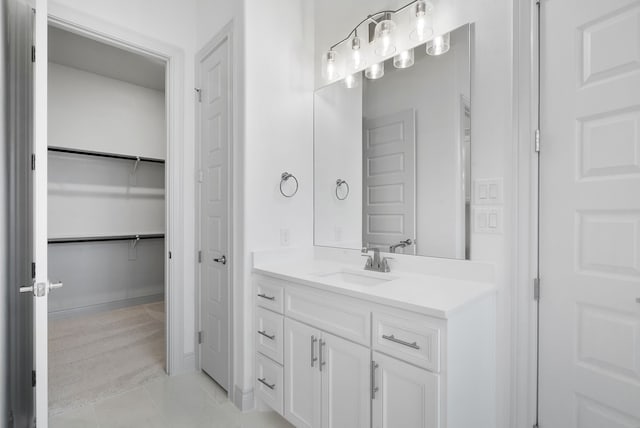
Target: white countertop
{"type": "Point", "coordinates": [432, 295]}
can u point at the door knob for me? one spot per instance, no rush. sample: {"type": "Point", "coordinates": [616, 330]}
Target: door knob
{"type": "Point", "coordinates": [222, 260]}
{"type": "Point", "coordinates": [41, 288]}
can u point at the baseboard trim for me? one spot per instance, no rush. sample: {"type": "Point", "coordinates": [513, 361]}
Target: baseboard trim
{"type": "Point", "coordinates": [243, 400]}
{"type": "Point", "coordinates": [118, 304]}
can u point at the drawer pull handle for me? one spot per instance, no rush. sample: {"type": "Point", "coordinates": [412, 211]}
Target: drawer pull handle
{"type": "Point", "coordinates": [322, 362]}
{"type": "Point", "coordinates": [263, 381]}
{"type": "Point", "coordinates": [268, 336]}
{"type": "Point", "coordinates": [374, 388]}
{"type": "Point", "coordinates": [313, 350]}
{"type": "Point", "coordinates": [392, 338]}
{"type": "Point", "coordinates": [264, 296]}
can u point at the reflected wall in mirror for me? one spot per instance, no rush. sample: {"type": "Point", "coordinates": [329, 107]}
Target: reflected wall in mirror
{"type": "Point", "coordinates": [392, 157]}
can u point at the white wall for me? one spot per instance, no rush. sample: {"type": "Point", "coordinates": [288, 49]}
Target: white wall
{"type": "Point", "coordinates": [169, 23]}
{"type": "Point", "coordinates": [338, 154]}
{"type": "Point", "coordinates": [92, 112]}
{"type": "Point", "coordinates": [492, 148]}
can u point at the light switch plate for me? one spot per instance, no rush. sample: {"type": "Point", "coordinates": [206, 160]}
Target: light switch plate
{"type": "Point", "coordinates": [487, 220]}
{"type": "Point", "coordinates": [488, 191]}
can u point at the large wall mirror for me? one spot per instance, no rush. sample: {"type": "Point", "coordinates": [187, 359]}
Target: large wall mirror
{"type": "Point", "coordinates": [392, 157]}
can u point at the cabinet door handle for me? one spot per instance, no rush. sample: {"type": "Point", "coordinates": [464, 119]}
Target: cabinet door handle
{"type": "Point", "coordinates": [268, 336]}
{"type": "Point", "coordinates": [313, 350]}
{"type": "Point", "coordinates": [263, 381]}
{"type": "Point", "coordinates": [374, 388]}
{"type": "Point", "coordinates": [392, 338]}
{"type": "Point", "coordinates": [264, 296]}
{"type": "Point", "coordinates": [322, 362]}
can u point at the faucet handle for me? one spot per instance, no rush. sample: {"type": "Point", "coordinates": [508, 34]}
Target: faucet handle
{"type": "Point", "coordinates": [384, 264]}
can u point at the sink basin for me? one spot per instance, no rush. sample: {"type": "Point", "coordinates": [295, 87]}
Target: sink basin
{"type": "Point", "coordinates": [357, 278]}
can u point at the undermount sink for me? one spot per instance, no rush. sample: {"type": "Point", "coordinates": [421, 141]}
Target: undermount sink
{"type": "Point", "coordinates": [357, 278]}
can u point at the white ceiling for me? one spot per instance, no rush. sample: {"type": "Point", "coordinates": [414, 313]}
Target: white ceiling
{"type": "Point", "coordinates": [73, 50]}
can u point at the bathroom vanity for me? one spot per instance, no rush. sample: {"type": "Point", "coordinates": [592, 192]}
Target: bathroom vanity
{"type": "Point", "coordinates": [338, 346]}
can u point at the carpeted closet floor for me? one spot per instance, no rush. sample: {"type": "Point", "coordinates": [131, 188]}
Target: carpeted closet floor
{"type": "Point", "coordinates": [96, 356]}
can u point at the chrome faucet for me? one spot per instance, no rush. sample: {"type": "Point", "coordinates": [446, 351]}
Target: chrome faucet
{"type": "Point", "coordinates": [375, 263]}
{"type": "Point", "coordinates": [401, 244]}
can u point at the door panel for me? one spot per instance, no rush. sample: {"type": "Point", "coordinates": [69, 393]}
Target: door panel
{"type": "Point", "coordinates": [346, 381]}
{"type": "Point", "coordinates": [590, 214]}
{"type": "Point", "coordinates": [389, 180]}
{"type": "Point", "coordinates": [302, 377]}
{"type": "Point", "coordinates": [407, 397]}
{"type": "Point", "coordinates": [214, 206]}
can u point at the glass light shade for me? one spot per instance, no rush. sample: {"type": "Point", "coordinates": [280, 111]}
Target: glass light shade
{"type": "Point", "coordinates": [374, 72]}
{"type": "Point", "coordinates": [353, 80]}
{"type": "Point", "coordinates": [383, 37]}
{"type": "Point", "coordinates": [423, 23]}
{"type": "Point", "coordinates": [439, 45]}
{"type": "Point", "coordinates": [356, 60]}
{"type": "Point", "coordinates": [330, 66]}
{"type": "Point", "coordinates": [404, 59]}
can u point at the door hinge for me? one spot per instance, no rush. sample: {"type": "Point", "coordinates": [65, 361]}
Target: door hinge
{"type": "Point", "coordinates": [199, 256]}
{"type": "Point", "coordinates": [199, 94]}
{"type": "Point", "coordinates": [33, 270]}
{"type": "Point", "coordinates": [200, 337]}
{"type": "Point", "coordinates": [537, 141]}
{"type": "Point", "coordinates": [33, 53]}
{"type": "Point", "coordinates": [33, 378]}
{"type": "Point", "coordinates": [33, 161]}
{"type": "Point", "coordinates": [536, 288]}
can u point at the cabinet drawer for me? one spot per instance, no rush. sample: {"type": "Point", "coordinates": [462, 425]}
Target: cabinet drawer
{"type": "Point", "coordinates": [269, 294]}
{"type": "Point", "coordinates": [270, 334]}
{"type": "Point", "coordinates": [270, 383]}
{"type": "Point", "coordinates": [409, 337]}
{"type": "Point", "coordinates": [340, 315]}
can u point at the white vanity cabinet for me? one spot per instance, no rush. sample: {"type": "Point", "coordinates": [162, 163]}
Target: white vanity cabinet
{"type": "Point", "coordinates": [357, 363]}
{"type": "Point", "coordinates": [326, 379]}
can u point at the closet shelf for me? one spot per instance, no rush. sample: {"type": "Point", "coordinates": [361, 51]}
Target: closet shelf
{"type": "Point", "coordinates": [105, 238]}
{"type": "Point", "coordinates": [103, 154]}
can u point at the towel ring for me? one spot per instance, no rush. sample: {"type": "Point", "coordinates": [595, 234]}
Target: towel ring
{"type": "Point", "coordinates": [339, 183]}
{"type": "Point", "coordinates": [283, 179]}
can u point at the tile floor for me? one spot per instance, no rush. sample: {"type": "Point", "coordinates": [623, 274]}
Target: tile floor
{"type": "Point", "coordinates": [185, 401]}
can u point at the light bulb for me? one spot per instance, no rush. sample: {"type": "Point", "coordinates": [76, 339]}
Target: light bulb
{"type": "Point", "coordinates": [356, 62]}
{"type": "Point", "coordinates": [330, 69]}
{"type": "Point", "coordinates": [353, 80]}
{"type": "Point", "coordinates": [374, 72]}
{"type": "Point", "coordinates": [439, 45]}
{"type": "Point", "coordinates": [423, 27]}
{"type": "Point", "coordinates": [384, 37]}
{"type": "Point", "coordinates": [404, 59]}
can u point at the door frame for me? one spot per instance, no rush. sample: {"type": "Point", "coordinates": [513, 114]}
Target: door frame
{"type": "Point", "coordinates": [224, 35]}
{"type": "Point", "coordinates": [97, 29]}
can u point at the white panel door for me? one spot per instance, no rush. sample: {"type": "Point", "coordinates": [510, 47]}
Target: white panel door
{"type": "Point", "coordinates": [590, 214]}
{"type": "Point", "coordinates": [406, 396]}
{"type": "Point", "coordinates": [214, 209]}
{"type": "Point", "coordinates": [389, 170]}
{"type": "Point", "coordinates": [302, 381]}
{"type": "Point", "coordinates": [346, 383]}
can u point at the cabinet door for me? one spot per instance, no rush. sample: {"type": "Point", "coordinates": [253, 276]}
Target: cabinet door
{"type": "Point", "coordinates": [407, 396]}
{"type": "Point", "coordinates": [346, 381]}
{"type": "Point", "coordinates": [301, 375]}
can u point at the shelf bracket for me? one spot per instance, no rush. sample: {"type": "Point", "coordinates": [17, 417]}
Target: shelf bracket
{"type": "Point", "coordinates": [134, 242]}
{"type": "Point", "coordinates": [135, 165]}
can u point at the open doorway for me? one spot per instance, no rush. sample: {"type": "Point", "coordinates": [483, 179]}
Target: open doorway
{"type": "Point", "coordinates": [107, 219]}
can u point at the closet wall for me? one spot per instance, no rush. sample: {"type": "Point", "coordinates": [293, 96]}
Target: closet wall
{"type": "Point", "coordinates": [93, 109]}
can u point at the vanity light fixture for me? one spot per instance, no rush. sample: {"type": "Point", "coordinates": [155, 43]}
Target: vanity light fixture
{"type": "Point", "coordinates": [385, 32]}
{"type": "Point", "coordinates": [404, 59]}
{"type": "Point", "coordinates": [439, 45]}
{"type": "Point", "coordinates": [424, 28]}
{"type": "Point", "coordinates": [383, 36]}
{"type": "Point", "coordinates": [376, 71]}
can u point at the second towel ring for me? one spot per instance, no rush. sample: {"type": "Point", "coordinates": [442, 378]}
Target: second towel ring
{"type": "Point", "coordinates": [283, 179]}
{"type": "Point", "coordinates": [339, 183]}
